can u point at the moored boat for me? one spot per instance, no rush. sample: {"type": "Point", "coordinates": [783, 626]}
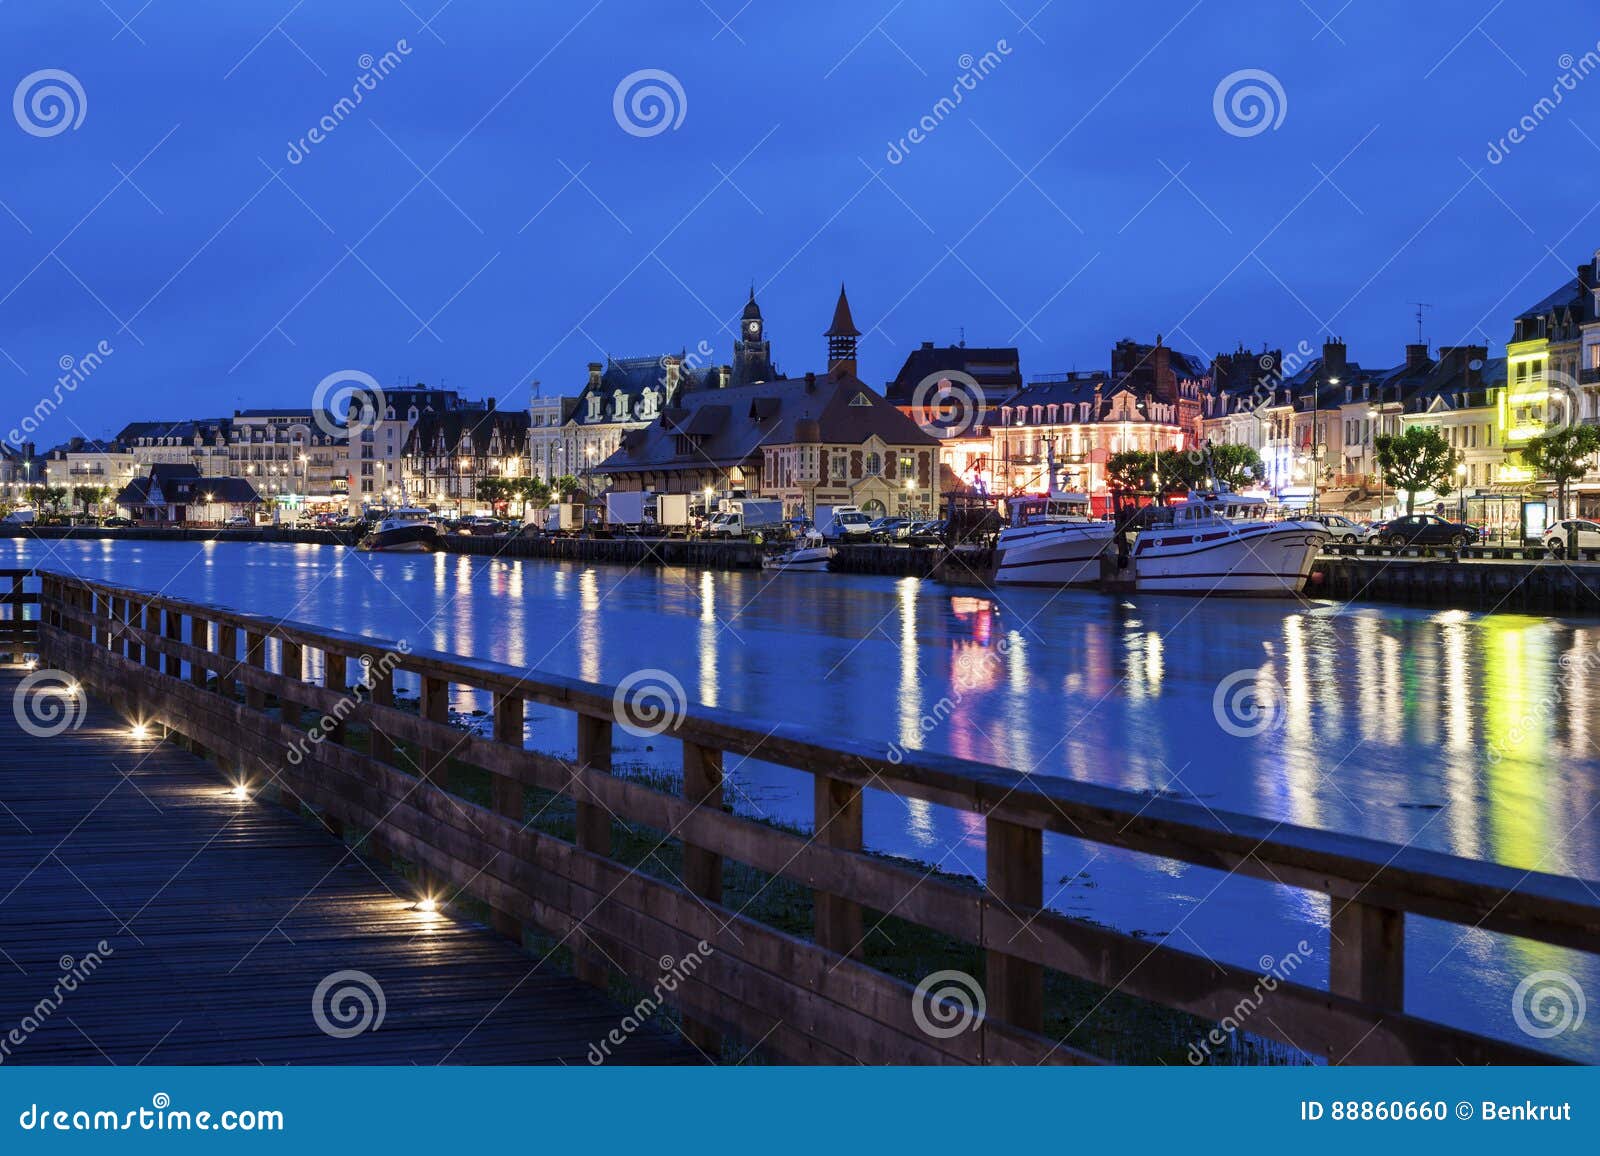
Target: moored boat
{"type": "Point", "coordinates": [810, 553]}
{"type": "Point", "coordinates": [1052, 541]}
{"type": "Point", "coordinates": [1224, 544]}
{"type": "Point", "coordinates": [405, 529]}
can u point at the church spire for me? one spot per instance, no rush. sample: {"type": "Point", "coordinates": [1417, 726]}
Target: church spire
{"type": "Point", "coordinates": [841, 337]}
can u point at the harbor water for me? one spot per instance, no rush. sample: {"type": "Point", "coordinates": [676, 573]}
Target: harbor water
{"type": "Point", "coordinates": [1473, 734]}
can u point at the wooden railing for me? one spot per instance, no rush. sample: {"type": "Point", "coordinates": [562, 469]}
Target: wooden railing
{"type": "Point", "coordinates": [19, 625]}
{"type": "Point", "coordinates": [201, 671]}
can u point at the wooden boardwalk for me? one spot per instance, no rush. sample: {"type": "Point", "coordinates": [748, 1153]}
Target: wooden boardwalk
{"type": "Point", "coordinates": [223, 915]}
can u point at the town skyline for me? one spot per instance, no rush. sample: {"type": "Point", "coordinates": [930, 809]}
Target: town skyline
{"type": "Point", "coordinates": [478, 227]}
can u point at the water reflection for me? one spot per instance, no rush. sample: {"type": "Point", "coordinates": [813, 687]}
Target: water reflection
{"type": "Point", "coordinates": [1465, 733]}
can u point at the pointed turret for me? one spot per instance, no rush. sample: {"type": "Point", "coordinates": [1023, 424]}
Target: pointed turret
{"type": "Point", "coordinates": [841, 337]}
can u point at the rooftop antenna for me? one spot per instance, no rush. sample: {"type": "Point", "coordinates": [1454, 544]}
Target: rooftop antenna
{"type": "Point", "coordinates": [963, 329]}
{"type": "Point", "coordinates": [1421, 305]}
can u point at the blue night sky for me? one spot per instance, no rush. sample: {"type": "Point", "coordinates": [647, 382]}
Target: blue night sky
{"type": "Point", "coordinates": [482, 219]}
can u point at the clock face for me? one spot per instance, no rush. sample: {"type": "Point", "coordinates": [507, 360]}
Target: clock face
{"type": "Point", "coordinates": [751, 328]}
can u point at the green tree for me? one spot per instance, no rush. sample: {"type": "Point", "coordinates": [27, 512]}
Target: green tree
{"type": "Point", "coordinates": [1418, 458]}
{"type": "Point", "coordinates": [87, 496]}
{"type": "Point", "coordinates": [1562, 455]}
{"type": "Point", "coordinates": [495, 491]}
{"type": "Point", "coordinates": [1139, 471]}
{"type": "Point", "coordinates": [567, 485]}
{"type": "Point", "coordinates": [1236, 467]}
{"type": "Point", "coordinates": [51, 498]}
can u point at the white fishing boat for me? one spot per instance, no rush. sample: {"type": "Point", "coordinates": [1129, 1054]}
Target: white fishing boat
{"type": "Point", "coordinates": [809, 553]}
{"type": "Point", "coordinates": [1224, 543]}
{"type": "Point", "coordinates": [405, 529]}
{"type": "Point", "coordinates": [1052, 541]}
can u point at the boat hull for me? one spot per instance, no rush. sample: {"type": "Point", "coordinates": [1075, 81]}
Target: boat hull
{"type": "Point", "coordinates": [404, 540]}
{"type": "Point", "coordinates": [1051, 555]}
{"type": "Point", "coordinates": [1269, 560]}
{"type": "Point", "coordinates": [808, 560]}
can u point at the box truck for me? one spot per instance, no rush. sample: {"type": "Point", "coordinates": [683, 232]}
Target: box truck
{"type": "Point", "coordinates": [626, 511]}
{"type": "Point", "coordinates": [739, 517]}
{"type": "Point", "coordinates": [843, 523]}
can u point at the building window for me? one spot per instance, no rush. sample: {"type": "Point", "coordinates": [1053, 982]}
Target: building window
{"type": "Point", "coordinates": [874, 465]}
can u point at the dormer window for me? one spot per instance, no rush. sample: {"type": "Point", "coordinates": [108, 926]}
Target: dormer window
{"type": "Point", "coordinates": [860, 399]}
{"type": "Point", "coordinates": [596, 404]}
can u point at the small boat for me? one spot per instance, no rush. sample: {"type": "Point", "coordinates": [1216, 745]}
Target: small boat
{"type": "Point", "coordinates": [810, 553]}
{"type": "Point", "coordinates": [1224, 543]}
{"type": "Point", "coordinates": [1052, 541]}
{"type": "Point", "coordinates": [404, 529]}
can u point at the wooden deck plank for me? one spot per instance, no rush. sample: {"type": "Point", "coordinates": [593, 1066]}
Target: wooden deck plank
{"type": "Point", "coordinates": [222, 917]}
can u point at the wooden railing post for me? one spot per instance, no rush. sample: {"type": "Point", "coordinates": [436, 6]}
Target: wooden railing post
{"type": "Point", "coordinates": [294, 668]}
{"type": "Point", "coordinates": [381, 693]}
{"type": "Point", "coordinates": [1014, 866]}
{"type": "Point", "coordinates": [1367, 956]}
{"type": "Point", "coordinates": [434, 706]}
{"type": "Point", "coordinates": [173, 665]}
{"type": "Point", "coordinates": [510, 799]}
{"type": "Point", "coordinates": [228, 648]}
{"type": "Point", "coordinates": [837, 823]}
{"type": "Point", "coordinates": [152, 625]}
{"type": "Point", "coordinates": [593, 826]}
{"type": "Point", "coordinates": [336, 677]}
{"type": "Point", "coordinates": [255, 654]}
{"type": "Point", "coordinates": [702, 869]}
{"type": "Point", "coordinates": [200, 639]}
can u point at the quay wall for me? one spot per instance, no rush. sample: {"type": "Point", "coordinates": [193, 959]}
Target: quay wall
{"type": "Point", "coordinates": [182, 534]}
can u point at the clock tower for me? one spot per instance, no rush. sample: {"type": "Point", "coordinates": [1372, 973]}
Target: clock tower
{"type": "Point", "coordinates": [752, 352]}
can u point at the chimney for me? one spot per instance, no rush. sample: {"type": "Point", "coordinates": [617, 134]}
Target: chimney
{"type": "Point", "coordinates": [1586, 276]}
{"type": "Point", "coordinates": [490, 405]}
{"type": "Point", "coordinates": [811, 383]}
{"type": "Point", "coordinates": [725, 378]}
{"type": "Point", "coordinates": [927, 345]}
{"type": "Point", "coordinates": [1476, 356]}
{"type": "Point", "coordinates": [1416, 355]}
{"type": "Point", "coordinates": [1166, 381]}
{"type": "Point", "coordinates": [595, 369]}
{"type": "Point", "coordinates": [1333, 358]}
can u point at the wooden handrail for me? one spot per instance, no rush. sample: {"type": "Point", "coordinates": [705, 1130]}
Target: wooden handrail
{"type": "Point", "coordinates": [618, 918]}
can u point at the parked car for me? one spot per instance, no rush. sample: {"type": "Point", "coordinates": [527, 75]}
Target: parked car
{"type": "Point", "coordinates": [117, 521]}
{"type": "Point", "coordinates": [1423, 530]}
{"type": "Point", "coordinates": [242, 522]}
{"type": "Point", "coordinates": [1555, 538]}
{"type": "Point", "coordinates": [1340, 528]}
{"type": "Point", "coordinates": [928, 533]}
{"type": "Point", "coordinates": [889, 529]}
